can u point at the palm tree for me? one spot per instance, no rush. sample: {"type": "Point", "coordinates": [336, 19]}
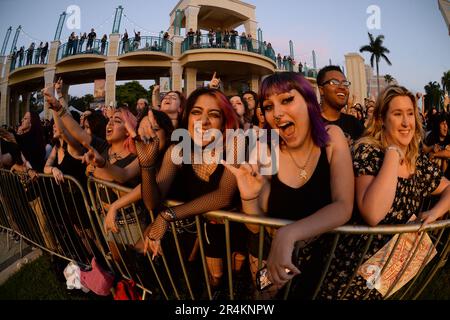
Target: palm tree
{"type": "Point", "coordinates": [445, 81]}
{"type": "Point", "coordinates": [433, 97]}
{"type": "Point", "coordinates": [375, 47]}
{"type": "Point", "coordinates": [388, 78]}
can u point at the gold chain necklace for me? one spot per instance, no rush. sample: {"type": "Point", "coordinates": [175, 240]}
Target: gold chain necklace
{"type": "Point", "coordinates": [302, 169]}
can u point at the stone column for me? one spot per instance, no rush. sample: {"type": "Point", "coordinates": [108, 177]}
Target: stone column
{"type": "Point", "coordinates": [254, 83]}
{"type": "Point", "coordinates": [3, 60]}
{"type": "Point", "coordinates": [49, 78]}
{"type": "Point", "coordinates": [251, 27]}
{"type": "Point", "coordinates": [53, 52]}
{"type": "Point", "coordinates": [26, 102]}
{"type": "Point", "coordinates": [4, 103]}
{"type": "Point", "coordinates": [176, 75]}
{"type": "Point", "coordinates": [110, 84]}
{"type": "Point", "coordinates": [6, 70]}
{"type": "Point", "coordinates": [190, 80]}
{"type": "Point", "coordinates": [113, 44]}
{"type": "Point", "coordinates": [191, 14]}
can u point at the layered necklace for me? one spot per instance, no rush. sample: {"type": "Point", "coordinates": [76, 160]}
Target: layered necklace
{"type": "Point", "coordinates": [302, 169]}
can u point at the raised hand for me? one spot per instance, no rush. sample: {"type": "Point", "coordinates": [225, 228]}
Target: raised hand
{"type": "Point", "coordinates": [93, 158]}
{"type": "Point", "coordinates": [215, 82]}
{"type": "Point", "coordinates": [250, 182]}
{"type": "Point", "coordinates": [58, 86]}
{"type": "Point", "coordinates": [50, 99]}
{"type": "Point", "coordinates": [147, 143]}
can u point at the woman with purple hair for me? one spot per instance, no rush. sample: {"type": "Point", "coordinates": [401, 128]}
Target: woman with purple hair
{"type": "Point", "coordinates": [313, 186]}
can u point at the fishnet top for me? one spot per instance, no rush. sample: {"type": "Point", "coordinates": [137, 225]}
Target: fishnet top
{"type": "Point", "coordinates": [155, 187]}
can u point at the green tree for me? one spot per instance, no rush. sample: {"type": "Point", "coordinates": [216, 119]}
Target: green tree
{"type": "Point", "coordinates": [445, 81]}
{"type": "Point", "coordinates": [388, 78]}
{"type": "Point", "coordinates": [81, 103]}
{"type": "Point", "coordinates": [378, 51]}
{"type": "Point", "coordinates": [129, 93]}
{"type": "Point", "coordinates": [433, 97]}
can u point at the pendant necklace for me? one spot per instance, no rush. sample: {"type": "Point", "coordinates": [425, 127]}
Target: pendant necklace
{"type": "Point", "coordinates": [302, 169]}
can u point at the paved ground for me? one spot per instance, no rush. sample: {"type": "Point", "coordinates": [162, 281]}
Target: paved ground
{"type": "Point", "coordinates": [13, 255]}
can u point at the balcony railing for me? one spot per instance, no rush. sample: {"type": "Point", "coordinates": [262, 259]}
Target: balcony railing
{"type": "Point", "coordinates": [29, 57]}
{"type": "Point", "coordinates": [82, 47]}
{"type": "Point", "coordinates": [232, 42]}
{"type": "Point", "coordinates": [147, 43]}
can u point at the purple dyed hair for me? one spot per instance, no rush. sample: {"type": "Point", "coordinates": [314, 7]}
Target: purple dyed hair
{"type": "Point", "coordinates": [286, 81]}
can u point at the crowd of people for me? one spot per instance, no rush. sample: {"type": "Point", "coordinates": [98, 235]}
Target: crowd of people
{"type": "Point", "coordinates": [335, 166]}
{"type": "Point", "coordinates": [32, 55]}
{"type": "Point", "coordinates": [227, 39]}
{"type": "Point", "coordinates": [75, 43]}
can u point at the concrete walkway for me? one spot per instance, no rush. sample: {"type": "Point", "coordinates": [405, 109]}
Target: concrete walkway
{"type": "Point", "coordinates": [13, 255]}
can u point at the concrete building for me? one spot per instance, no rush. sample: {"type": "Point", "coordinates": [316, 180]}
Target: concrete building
{"type": "Point", "coordinates": [187, 61]}
{"type": "Point", "coordinates": [356, 74]}
{"type": "Point", "coordinates": [444, 6]}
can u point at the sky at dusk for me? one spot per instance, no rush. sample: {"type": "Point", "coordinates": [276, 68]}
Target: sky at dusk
{"type": "Point", "coordinates": [414, 30]}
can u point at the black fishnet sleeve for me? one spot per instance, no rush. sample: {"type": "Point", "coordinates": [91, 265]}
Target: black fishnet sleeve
{"type": "Point", "coordinates": [154, 187]}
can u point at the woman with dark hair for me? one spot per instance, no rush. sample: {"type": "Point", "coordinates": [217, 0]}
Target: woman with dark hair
{"type": "Point", "coordinates": [30, 138]}
{"type": "Point", "coordinates": [437, 143]}
{"type": "Point", "coordinates": [313, 185]}
{"type": "Point", "coordinates": [202, 187]}
{"type": "Point", "coordinates": [95, 124]}
{"type": "Point", "coordinates": [173, 104]}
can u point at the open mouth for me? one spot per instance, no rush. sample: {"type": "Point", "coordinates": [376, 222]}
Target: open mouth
{"type": "Point", "coordinates": [341, 95]}
{"type": "Point", "coordinates": [286, 128]}
{"type": "Point", "coordinates": [109, 131]}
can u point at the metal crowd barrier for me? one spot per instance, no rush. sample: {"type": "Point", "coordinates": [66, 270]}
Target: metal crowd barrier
{"type": "Point", "coordinates": [64, 221]}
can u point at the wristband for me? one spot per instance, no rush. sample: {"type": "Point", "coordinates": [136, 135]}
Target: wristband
{"type": "Point", "coordinates": [400, 152]}
{"type": "Point", "coordinates": [168, 214]}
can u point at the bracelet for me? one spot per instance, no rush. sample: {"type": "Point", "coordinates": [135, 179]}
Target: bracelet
{"type": "Point", "coordinates": [62, 112]}
{"type": "Point", "coordinates": [250, 199]}
{"type": "Point", "coordinates": [400, 152]}
{"type": "Point", "coordinates": [168, 214]}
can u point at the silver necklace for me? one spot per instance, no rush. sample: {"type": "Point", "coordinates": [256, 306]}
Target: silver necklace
{"type": "Point", "coordinates": [302, 169]}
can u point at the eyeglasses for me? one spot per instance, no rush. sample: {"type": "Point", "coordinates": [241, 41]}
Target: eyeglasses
{"type": "Point", "coordinates": [172, 97]}
{"type": "Point", "coordinates": [334, 82]}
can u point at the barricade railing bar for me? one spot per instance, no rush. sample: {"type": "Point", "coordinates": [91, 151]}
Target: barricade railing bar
{"type": "Point", "coordinates": [64, 221]}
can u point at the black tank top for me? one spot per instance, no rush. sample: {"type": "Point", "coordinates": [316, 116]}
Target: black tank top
{"type": "Point", "coordinates": [297, 203]}
{"type": "Point", "coordinates": [72, 167]}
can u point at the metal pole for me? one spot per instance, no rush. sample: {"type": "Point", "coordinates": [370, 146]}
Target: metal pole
{"type": "Point", "coordinates": [5, 42]}
{"type": "Point", "coordinates": [16, 36]}
{"type": "Point", "coordinates": [62, 18]}
{"type": "Point", "coordinates": [117, 19]}
{"type": "Point", "coordinates": [291, 49]}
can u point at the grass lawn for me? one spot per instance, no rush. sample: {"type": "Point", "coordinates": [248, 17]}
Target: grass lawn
{"type": "Point", "coordinates": [38, 281]}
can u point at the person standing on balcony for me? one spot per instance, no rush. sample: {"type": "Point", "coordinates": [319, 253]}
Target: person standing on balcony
{"type": "Point", "coordinates": [279, 61]}
{"type": "Point", "coordinates": [37, 54]}
{"type": "Point", "coordinates": [91, 37]}
{"type": "Point", "coordinates": [226, 38]}
{"type": "Point", "coordinates": [137, 40]}
{"type": "Point", "coordinates": [21, 53]}
{"type": "Point", "coordinates": [211, 37]}
{"type": "Point", "coordinates": [70, 44]}
{"type": "Point", "coordinates": [103, 45]}
{"type": "Point", "coordinates": [14, 58]}
{"type": "Point", "coordinates": [76, 40]}
{"type": "Point", "coordinates": [125, 44]}
{"type": "Point", "coordinates": [198, 38]}
{"type": "Point", "coordinates": [219, 38]}
{"type": "Point", "coordinates": [250, 42]}
{"type": "Point", "coordinates": [190, 36]}
{"type": "Point", "coordinates": [44, 53]}
{"type": "Point", "coordinates": [233, 34]}
{"type": "Point", "coordinates": [83, 37]}
{"type": "Point", "coordinates": [30, 54]}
